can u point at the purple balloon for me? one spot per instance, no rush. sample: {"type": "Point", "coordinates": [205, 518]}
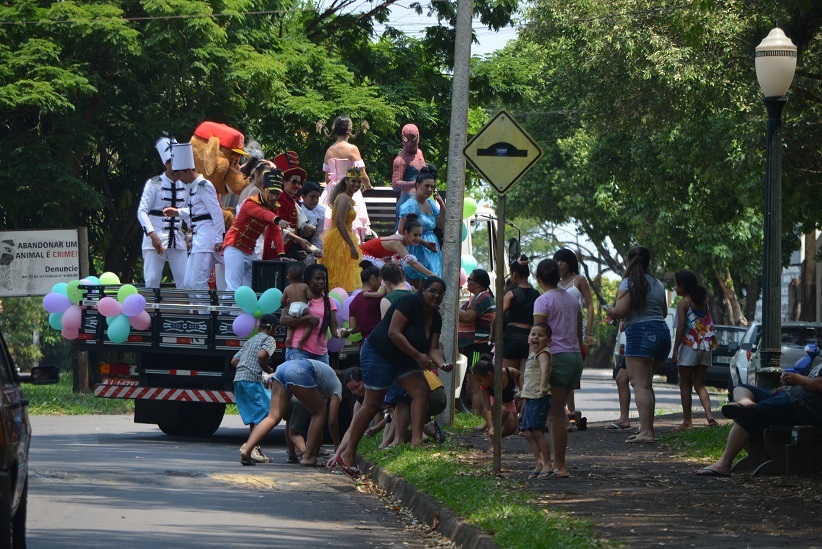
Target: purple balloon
{"type": "Point", "coordinates": [133, 305]}
{"type": "Point", "coordinates": [244, 324]}
{"type": "Point", "coordinates": [108, 306]}
{"type": "Point", "coordinates": [345, 313]}
{"type": "Point", "coordinates": [73, 318]}
{"type": "Point", "coordinates": [56, 303]}
{"type": "Point", "coordinates": [335, 345]}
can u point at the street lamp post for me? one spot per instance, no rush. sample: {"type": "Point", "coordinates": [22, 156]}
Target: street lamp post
{"type": "Point", "coordinates": [775, 67]}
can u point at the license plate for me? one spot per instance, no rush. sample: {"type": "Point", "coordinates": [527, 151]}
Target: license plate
{"type": "Point", "coordinates": [723, 359]}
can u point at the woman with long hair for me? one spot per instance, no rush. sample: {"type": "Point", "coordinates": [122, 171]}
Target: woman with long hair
{"type": "Point", "coordinates": [429, 209]}
{"type": "Point", "coordinates": [404, 343]}
{"type": "Point", "coordinates": [321, 317]}
{"type": "Point", "coordinates": [693, 345]}
{"type": "Point", "coordinates": [518, 317]}
{"type": "Point", "coordinates": [340, 250]}
{"type": "Point", "coordinates": [395, 247]}
{"type": "Point", "coordinates": [339, 157]}
{"type": "Point", "coordinates": [643, 305]}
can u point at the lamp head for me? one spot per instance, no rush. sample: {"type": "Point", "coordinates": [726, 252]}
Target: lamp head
{"type": "Point", "coordinates": [775, 63]}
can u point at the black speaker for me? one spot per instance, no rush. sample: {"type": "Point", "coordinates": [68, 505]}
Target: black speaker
{"type": "Point", "coordinates": [269, 274]}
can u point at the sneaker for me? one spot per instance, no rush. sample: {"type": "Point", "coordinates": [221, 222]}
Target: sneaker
{"type": "Point", "coordinates": [258, 456]}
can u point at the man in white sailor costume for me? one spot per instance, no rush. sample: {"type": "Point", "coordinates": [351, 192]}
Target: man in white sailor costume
{"type": "Point", "coordinates": [163, 238]}
{"type": "Point", "coordinates": [202, 214]}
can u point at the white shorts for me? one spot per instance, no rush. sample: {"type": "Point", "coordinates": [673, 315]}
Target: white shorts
{"type": "Point", "coordinates": [693, 357]}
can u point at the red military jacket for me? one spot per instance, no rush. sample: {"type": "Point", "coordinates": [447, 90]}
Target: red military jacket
{"type": "Point", "coordinates": [286, 209]}
{"type": "Point", "coordinates": [254, 218]}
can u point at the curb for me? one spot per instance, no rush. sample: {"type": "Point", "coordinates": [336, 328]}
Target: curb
{"type": "Point", "coordinates": [427, 509]}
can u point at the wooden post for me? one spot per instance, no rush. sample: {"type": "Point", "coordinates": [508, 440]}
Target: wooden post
{"type": "Point", "coordinates": [498, 329]}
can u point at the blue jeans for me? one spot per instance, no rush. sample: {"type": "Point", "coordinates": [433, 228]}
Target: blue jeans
{"type": "Point", "coordinates": [296, 372]}
{"type": "Point", "coordinates": [648, 340]}
{"type": "Point", "coordinates": [771, 409]}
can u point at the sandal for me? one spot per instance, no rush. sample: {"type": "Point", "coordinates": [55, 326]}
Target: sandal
{"type": "Point", "coordinates": [352, 472]}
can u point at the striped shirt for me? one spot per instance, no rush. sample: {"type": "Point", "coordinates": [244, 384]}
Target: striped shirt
{"type": "Point", "coordinates": [249, 367]}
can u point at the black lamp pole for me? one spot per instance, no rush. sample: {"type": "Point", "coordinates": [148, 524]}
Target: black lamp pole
{"type": "Point", "coordinates": [771, 347]}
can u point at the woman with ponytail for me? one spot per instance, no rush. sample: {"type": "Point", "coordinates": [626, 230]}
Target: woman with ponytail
{"type": "Point", "coordinates": [642, 303]}
{"type": "Point", "coordinates": [693, 345]}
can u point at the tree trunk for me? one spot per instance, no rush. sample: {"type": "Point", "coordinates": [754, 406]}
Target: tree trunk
{"type": "Point", "coordinates": [734, 311]}
{"type": "Point", "coordinates": [809, 279]}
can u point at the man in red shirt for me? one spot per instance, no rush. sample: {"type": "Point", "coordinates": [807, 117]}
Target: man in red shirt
{"type": "Point", "coordinates": [293, 176]}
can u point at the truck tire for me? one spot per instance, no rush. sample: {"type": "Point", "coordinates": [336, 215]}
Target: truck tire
{"type": "Point", "coordinates": [195, 419]}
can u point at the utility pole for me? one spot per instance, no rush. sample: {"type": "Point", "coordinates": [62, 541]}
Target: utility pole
{"type": "Point", "coordinates": [452, 240]}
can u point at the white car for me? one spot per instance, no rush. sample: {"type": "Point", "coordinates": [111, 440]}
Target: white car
{"type": "Point", "coordinates": [795, 335]}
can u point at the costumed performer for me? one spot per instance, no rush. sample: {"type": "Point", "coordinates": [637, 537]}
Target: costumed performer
{"type": "Point", "coordinates": [403, 180]}
{"type": "Point", "coordinates": [393, 247]}
{"type": "Point", "coordinates": [289, 203]}
{"type": "Point", "coordinates": [340, 251]}
{"type": "Point", "coordinates": [428, 210]}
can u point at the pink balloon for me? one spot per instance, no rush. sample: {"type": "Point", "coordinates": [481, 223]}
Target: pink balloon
{"type": "Point", "coordinates": [335, 345]}
{"type": "Point", "coordinates": [244, 324]}
{"type": "Point", "coordinates": [56, 303]}
{"type": "Point", "coordinates": [70, 334]}
{"type": "Point", "coordinates": [73, 318]}
{"type": "Point", "coordinates": [133, 305]}
{"type": "Point", "coordinates": [141, 321]}
{"type": "Point", "coordinates": [108, 306]}
{"type": "Point", "coordinates": [340, 291]}
{"type": "Point", "coordinates": [463, 277]}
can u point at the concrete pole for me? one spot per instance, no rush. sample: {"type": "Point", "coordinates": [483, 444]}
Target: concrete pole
{"type": "Point", "coordinates": [452, 241]}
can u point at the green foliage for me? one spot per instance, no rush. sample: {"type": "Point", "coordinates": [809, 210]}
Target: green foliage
{"type": "Point", "coordinates": [704, 444]}
{"type": "Point", "coordinates": [59, 400]}
{"type": "Point", "coordinates": [24, 324]}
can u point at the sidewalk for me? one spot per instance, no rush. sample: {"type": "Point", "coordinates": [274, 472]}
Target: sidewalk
{"type": "Point", "coordinates": [642, 495]}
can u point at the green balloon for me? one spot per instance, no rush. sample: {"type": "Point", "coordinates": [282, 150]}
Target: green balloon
{"type": "Point", "coordinates": [125, 291]}
{"type": "Point", "coordinates": [355, 337]}
{"type": "Point", "coordinates": [109, 278]}
{"type": "Point", "coordinates": [74, 293]}
{"type": "Point", "coordinates": [257, 314]}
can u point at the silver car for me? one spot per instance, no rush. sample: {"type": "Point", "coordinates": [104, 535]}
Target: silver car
{"type": "Point", "coordinates": [795, 335]}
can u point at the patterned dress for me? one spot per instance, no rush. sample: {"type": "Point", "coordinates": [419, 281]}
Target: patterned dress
{"type": "Point", "coordinates": [430, 260]}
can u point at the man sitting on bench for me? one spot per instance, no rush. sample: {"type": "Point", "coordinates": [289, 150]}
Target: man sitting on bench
{"type": "Point", "coordinates": [755, 409]}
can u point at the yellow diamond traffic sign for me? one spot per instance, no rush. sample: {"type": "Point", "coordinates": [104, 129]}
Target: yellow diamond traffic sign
{"type": "Point", "coordinates": [502, 151]}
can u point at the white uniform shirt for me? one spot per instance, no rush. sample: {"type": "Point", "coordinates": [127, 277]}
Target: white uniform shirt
{"type": "Point", "coordinates": [202, 202]}
{"type": "Point", "coordinates": [161, 192]}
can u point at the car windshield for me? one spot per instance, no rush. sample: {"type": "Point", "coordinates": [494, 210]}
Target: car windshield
{"type": "Point", "coordinates": [726, 336]}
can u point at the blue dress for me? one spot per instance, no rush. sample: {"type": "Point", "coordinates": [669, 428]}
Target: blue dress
{"type": "Point", "coordinates": [430, 260]}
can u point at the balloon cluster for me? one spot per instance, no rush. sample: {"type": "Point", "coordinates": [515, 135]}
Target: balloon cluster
{"type": "Point", "coordinates": [254, 308]}
{"type": "Point", "coordinates": [467, 262]}
{"type": "Point", "coordinates": [122, 314]}
{"type": "Point", "coordinates": [343, 301]}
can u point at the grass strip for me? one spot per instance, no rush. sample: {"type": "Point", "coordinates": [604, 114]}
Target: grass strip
{"type": "Point", "coordinates": [504, 508]}
{"type": "Point", "coordinates": [701, 444]}
{"type": "Point", "coordinates": [59, 400]}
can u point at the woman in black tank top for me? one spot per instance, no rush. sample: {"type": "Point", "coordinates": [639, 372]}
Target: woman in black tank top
{"type": "Point", "coordinates": [518, 311]}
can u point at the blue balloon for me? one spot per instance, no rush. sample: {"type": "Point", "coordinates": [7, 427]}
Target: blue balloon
{"type": "Point", "coordinates": [56, 321]}
{"type": "Point", "coordinates": [60, 288]}
{"type": "Point", "coordinates": [270, 300]}
{"type": "Point", "coordinates": [119, 329]}
{"type": "Point", "coordinates": [464, 231]}
{"type": "Point", "coordinates": [93, 280]}
{"type": "Point", "coordinates": [468, 262]}
{"type": "Point", "coordinates": [246, 299]}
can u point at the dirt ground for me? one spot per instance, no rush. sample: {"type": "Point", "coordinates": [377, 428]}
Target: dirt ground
{"type": "Point", "coordinates": [643, 495]}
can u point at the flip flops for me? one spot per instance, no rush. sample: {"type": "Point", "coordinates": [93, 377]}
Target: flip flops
{"type": "Point", "coordinates": [352, 472]}
{"type": "Point", "coordinates": [732, 411]}
{"type": "Point", "coordinates": [634, 439]}
{"type": "Point", "coordinates": [552, 474]}
{"type": "Point", "coordinates": [707, 472]}
{"type": "Point", "coordinates": [615, 427]}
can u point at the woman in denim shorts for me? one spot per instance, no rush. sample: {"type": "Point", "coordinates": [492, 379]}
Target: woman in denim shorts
{"type": "Point", "coordinates": [643, 304]}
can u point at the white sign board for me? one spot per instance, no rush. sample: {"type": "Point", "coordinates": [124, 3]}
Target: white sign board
{"type": "Point", "coordinates": [31, 262]}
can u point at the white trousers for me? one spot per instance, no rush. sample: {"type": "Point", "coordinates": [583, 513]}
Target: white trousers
{"type": "Point", "coordinates": [237, 268]}
{"type": "Point", "coordinates": [153, 264]}
{"type": "Point", "coordinates": [198, 270]}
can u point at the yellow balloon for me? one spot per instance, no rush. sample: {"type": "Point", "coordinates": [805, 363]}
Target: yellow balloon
{"type": "Point", "coordinates": [109, 278]}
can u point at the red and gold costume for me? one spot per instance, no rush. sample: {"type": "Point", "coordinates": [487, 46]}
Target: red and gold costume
{"type": "Point", "coordinates": [254, 218]}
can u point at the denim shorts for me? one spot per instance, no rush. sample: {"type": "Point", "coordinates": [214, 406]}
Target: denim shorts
{"type": "Point", "coordinates": [253, 401]}
{"type": "Point", "coordinates": [295, 354]}
{"type": "Point", "coordinates": [648, 340]}
{"type": "Point", "coordinates": [772, 408]}
{"type": "Point", "coordinates": [298, 372]}
{"type": "Point", "coordinates": [378, 372]}
{"type": "Point", "coordinates": [535, 413]}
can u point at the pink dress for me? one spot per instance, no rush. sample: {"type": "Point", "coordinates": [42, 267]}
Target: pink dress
{"type": "Point", "coordinates": [336, 169]}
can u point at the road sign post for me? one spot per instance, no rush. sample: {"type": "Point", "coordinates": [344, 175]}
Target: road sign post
{"type": "Point", "coordinates": [502, 151]}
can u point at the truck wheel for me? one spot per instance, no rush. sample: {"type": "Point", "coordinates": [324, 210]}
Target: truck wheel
{"type": "Point", "coordinates": [195, 419]}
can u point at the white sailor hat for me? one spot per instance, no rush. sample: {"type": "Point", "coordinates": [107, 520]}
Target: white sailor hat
{"type": "Point", "coordinates": [182, 156]}
{"type": "Point", "coordinates": [164, 148]}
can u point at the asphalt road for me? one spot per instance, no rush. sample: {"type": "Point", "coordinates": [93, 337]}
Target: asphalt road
{"type": "Point", "coordinates": [104, 481]}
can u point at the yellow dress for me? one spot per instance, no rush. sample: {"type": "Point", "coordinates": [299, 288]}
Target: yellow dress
{"type": "Point", "coordinates": [343, 272]}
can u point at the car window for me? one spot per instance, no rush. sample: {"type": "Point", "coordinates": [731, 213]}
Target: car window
{"type": "Point", "coordinates": [799, 336]}
{"type": "Point", "coordinates": [725, 336]}
{"type": "Point", "coordinates": [6, 375]}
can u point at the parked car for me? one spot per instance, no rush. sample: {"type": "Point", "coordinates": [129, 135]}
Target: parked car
{"type": "Point", "coordinates": [666, 368]}
{"type": "Point", "coordinates": [722, 356]}
{"type": "Point", "coordinates": [795, 335]}
{"type": "Point", "coordinates": [14, 445]}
